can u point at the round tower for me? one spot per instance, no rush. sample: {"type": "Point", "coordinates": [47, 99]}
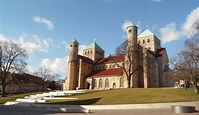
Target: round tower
{"type": "Point", "coordinates": [132, 36]}
{"type": "Point", "coordinates": [133, 52]}
{"type": "Point", "coordinates": [72, 78]}
{"type": "Point", "coordinates": [73, 50]}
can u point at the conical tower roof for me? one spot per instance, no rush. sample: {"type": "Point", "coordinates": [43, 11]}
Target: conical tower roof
{"type": "Point", "coordinates": [74, 40]}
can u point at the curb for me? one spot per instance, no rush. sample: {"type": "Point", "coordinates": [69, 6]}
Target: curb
{"type": "Point", "coordinates": [87, 108]}
{"type": "Point", "coordinates": [68, 110]}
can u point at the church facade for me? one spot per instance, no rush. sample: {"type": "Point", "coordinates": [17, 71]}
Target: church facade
{"type": "Point", "coordinates": [93, 70]}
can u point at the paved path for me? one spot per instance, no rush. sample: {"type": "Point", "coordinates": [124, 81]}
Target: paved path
{"type": "Point", "coordinates": [14, 110]}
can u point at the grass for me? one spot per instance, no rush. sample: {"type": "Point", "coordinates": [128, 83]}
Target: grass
{"type": "Point", "coordinates": [123, 96]}
{"type": "Point", "coordinates": [131, 96]}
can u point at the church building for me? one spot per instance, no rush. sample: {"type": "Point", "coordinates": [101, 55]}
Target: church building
{"type": "Point", "coordinates": [93, 70]}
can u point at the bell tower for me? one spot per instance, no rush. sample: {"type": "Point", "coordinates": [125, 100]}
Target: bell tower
{"type": "Point", "coordinates": [72, 66]}
{"type": "Point", "coordinates": [132, 36]}
{"type": "Point", "coordinates": [133, 52]}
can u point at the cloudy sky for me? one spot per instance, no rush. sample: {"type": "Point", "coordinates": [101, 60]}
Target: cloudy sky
{"type": "Point", "coordinates": [46, 27]}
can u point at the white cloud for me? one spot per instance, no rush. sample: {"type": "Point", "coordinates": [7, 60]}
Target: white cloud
{"type": "Point", "coordinates": [126, 24]}
{"type": "Point", "coordinates": [30, 69]}
{"type": "Point", "coordinates": [188, 26]}
{"type": "Point", "coordinates": [37, 44]}
{"type": "Point", "coordinates": [81, 48]}
{"type": "Point", "coordinates": [58, 65]}
{"type": "Point", "coordinates": [48, 23]}
{"type": "Point", "coordinates": [169, 33]}
{"type": "Point", "coordinates": [129, 23]}
{"type": "Point", "coordinates": [30, 42]}
{"type": "Point", "coordinates": [3, 38]}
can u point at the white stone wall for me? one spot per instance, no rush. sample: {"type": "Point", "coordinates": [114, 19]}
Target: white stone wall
{"type": "Point", "coordinates": [114, 82]}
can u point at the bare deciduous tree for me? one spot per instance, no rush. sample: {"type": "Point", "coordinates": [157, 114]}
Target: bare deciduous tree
{"type": "Point", "coordinates": [46, 75]}
{"type": "Point", "coordinates": [129, 64]}
{"type": "Point", "coordinates": [12, 60]}
{"type": "Point", "coordinates": [186, 62]}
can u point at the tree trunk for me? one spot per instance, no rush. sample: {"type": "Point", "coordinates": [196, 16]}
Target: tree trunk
{"type": "Point", "coordinates": [3, 90]}
{"type": "Point", "coordinates": [129, 82]}
{"type": "Point", "coordinates": [43, 88]}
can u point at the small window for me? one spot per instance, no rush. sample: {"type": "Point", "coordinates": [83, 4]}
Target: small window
{"type": "Point", "coordinates": [121, 82]}
{"type": "Point", "coordinates": [148, 40]}
{"type": "Point", "coordinates": [95, 83]}
{"type": "Point", "coordinates": [130, 31]}
{"type": "Point", "coordinates": [139, 42]}
{"type": "Point", "coordinates": [100, 83]}
{"type": "Point", "coordinates": [71, 45]}
{"type": "Point", "coordinates": [106, 83]}
{"type": "Point", "coordinates": [91, 51]}
{"type": "Point", "coordinates": [143, 41]}
{"type": "Point", "coordinates": [75, 45]}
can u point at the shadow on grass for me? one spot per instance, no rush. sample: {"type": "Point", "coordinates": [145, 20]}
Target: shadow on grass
{"type": "Point", "coordinates": [78, 102]}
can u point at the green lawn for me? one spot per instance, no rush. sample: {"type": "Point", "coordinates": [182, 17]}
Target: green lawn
{"type": "Point", "coordinates": [131, 96]}
{"type": "Point", "coordinates": [124, 96]}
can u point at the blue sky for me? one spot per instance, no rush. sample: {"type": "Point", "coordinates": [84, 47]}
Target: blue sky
{"type": "Point", "coordinates": [46, 27]}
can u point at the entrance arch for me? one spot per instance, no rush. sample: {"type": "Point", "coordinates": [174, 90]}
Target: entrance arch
{"type": "Point", "coordinates": [88, 85]}
{"type": "Point", "coordinates": [114, 85]}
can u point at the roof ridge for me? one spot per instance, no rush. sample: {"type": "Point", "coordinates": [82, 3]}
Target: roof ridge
{"type": "Point", "coordinates": [94, 45]}
{"type": "Point", "coordinates": [147, 32]}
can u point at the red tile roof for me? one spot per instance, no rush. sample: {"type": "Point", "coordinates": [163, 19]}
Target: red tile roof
{"type": "Point", "coordinates": [85, 59]}
{"type": "Point", "coordinates": [107, 72]}
{"type": "Point", "coordinates": [110, 59]}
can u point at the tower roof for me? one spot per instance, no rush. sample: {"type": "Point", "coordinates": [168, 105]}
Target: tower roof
{"type": "Point", "coordinates": [147, 32]}
{"type": "Point", "coordinates": [74, 40]}
{"type": "Point", "coordinates": [131, 24]}
{"type": "Point", "coordinates": [94, 45]}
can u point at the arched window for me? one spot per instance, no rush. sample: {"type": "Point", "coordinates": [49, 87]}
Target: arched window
{"type": "Point", "coordinates": [100, 83]}
{"type": "Point", "coordinates": [139, 42]}
{"type": "Point", "coordinates": [91, 51]}
{"type": "Point", "coordinates": [148, 40]}
{"type": "Point", "coordinates": [88, 52]}
{"type": "Point", "coordinates": [95, 83]}
{"type": "Point", "coordinates": [85, 53]}
{"type": "Point", "coordinates": [106, 83]}
{"type": "Point", "coordinates": [143, 41]}
{"type": "Point", "coordinates": [122, 82]}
